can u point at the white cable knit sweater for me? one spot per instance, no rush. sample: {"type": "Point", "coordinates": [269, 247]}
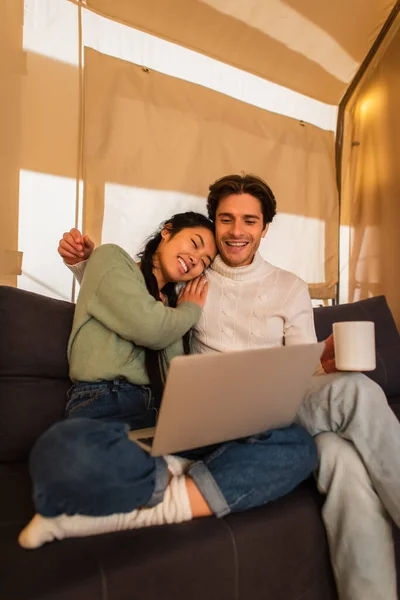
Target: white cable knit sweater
{"type": "Point", "coordinates": [257, 306]}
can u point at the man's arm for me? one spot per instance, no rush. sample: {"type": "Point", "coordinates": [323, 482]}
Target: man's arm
{"type": "Point", "coordinates": [300, 328]}
{"type": "Point", "coordinates": [75, 249]}
{"type": "Point", "coordinates": [299, 323]}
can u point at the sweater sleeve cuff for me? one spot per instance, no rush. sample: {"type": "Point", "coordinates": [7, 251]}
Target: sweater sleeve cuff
{"type": "Point", "coordinates": [320, 370]}
{"type": "Point", "coordinates": [77, 270]}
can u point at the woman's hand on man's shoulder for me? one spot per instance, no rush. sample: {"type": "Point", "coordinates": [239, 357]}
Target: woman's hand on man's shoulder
{"type": "Point", "coordinates": [194, 291]}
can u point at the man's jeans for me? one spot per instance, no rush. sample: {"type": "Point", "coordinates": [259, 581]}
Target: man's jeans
{"type": "Point", "coordinates": [368, 450]}
{"type": "Point", "coordinates": [87, 465]}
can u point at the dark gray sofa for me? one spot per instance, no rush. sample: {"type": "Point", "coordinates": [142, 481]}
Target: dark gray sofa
{"type": "Point", "coordinates": [277, 552]}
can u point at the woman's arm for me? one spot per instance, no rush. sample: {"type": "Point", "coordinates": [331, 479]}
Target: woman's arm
{"type": "Point", "coordinates": [78, 270]}
{"type": "Point", "coordinates": [122, 303]}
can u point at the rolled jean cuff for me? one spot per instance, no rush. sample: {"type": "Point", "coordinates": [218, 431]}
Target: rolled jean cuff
{"type": "Point", "coordinates": [161, 482]}
{"type": "Point", "coordinates": [209, 489]}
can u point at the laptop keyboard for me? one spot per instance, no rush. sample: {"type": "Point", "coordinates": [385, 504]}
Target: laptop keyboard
{"type": "Point", "coordinates": [148, 441]}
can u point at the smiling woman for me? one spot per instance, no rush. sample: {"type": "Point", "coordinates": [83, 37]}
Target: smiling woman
{"type": "Point", "coordinates": [184, 255]}
{"type": "Point", "coordinates": [178, 252]}
{"type": "Point", "coordinates": [128, 325]}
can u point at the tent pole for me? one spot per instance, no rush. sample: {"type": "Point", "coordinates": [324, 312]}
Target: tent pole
{"type": "Point", "coordinates": [79, 173]}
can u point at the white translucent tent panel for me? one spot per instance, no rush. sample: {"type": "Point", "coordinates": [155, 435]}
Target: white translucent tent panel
{"type": "Point", "coordinates": [310, 46]}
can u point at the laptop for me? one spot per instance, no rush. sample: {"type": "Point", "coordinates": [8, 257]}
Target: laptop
{"type": "Point", "coordinates": [221, 396]}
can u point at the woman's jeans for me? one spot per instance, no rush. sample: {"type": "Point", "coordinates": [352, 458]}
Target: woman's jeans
{"type": "Point", "coordinates": [87, 465]}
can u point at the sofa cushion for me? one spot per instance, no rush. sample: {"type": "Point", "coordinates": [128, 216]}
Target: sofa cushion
{"type": "Point", "coordinates": [16, 505]}
{"type": "Point", "coordinates": [34, 334]}
{"type": "Point", "coordinates": [28, 406]}
{"type": "Point", "coordinates": [33, 367]}
{"type": "Point", "coordinates": [293, 521]}
{"type": "Point", "coordinates": [277, 551]}
{"type": "Point", "coordinates": [387, 372]}
{"type": "Point", "coordinates": [193, 560]}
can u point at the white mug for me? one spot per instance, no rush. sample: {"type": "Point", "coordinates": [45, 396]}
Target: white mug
{"type": "Point", "coordinates": [354, 343]}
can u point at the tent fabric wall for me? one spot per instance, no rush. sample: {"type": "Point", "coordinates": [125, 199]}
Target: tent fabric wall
{"type": "Point", "coordinates": [309, 46]}
{"type": "Point", "coordinates": [370, 214]}
{"type": "Point", "coordinates": [41, 114]}
{"type": "Point", "coordinates": [12, 69]}
{"type": "Point", "coordinates": [10, 262]}
{"type": "Point", "coordinates": [41, 145]}
{"type": "Point", "coordinates": [46, 129]}
{"type": "Point", "coordinates": [151, 132]}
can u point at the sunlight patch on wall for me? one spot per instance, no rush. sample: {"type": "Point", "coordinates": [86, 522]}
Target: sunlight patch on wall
{"type": "Point", "coordinates": [296, 243]}
{"type": "Point", "coordinates": [46, 210]}
{"type": "Point", "coordinates": [51, 29]}
{"type": "Point", "coordinates": [132, 214]}
{"type": "Point", "coordinates": [288, 26]}
{"type": "Point", "coordinates": [360, 263]}
{"type": "Point", "coordinates": [141, 48]}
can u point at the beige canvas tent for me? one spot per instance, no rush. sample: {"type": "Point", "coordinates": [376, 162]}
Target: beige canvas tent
{"type": "Point", "coordinates": [115, 112]}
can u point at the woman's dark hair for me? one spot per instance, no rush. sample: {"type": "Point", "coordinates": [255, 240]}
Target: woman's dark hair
{"type": "Point", "coordinates": [242, 184]}
{"type": "Point", "coordinates": [155, 360]}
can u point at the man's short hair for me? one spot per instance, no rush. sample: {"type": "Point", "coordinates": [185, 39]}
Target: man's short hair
{"type": "Point", "coordinates": [242, 184]}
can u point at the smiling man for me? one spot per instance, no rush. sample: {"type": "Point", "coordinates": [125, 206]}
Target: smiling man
{"type": "Point", "coordinates": [239, 229]}
{"type": "Point", "coordinates": [253, 304]}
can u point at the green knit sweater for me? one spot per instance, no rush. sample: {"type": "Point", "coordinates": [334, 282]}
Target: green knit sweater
{"type": "Point", "coordinates": [116, 318]}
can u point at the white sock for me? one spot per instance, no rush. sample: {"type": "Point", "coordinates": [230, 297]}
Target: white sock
{"type": "Point", "coordinates": [174, 508]}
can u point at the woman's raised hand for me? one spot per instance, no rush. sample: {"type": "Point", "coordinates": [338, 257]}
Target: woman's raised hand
{"type": "Point", "coordinates": [194, 291]}
{"type": "Point", "coordinates": [75, 247]}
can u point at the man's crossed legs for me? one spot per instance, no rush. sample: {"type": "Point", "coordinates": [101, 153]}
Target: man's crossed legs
{"type": "Point", "coordinates": [359, 471]}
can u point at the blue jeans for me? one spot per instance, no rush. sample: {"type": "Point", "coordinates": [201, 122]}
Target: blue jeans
{"type": "Point", "coordinates": [87, 465]}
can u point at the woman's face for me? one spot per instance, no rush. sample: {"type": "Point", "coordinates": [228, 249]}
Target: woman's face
{"type": "Point", "coordinates": [186, 254]}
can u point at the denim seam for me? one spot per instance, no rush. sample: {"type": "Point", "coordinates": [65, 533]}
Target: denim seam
{"type": "Point", "coordinates": [79, 391]}
{"type": "Point", "coordinates": [238, 500]}
{"type": "Point", "coordinates": [85, 403]}
{"type": "Point", "coordinates": [161, 482]}
{"type": "Point", "coordinates": [217, 452]}
{"type": "Point", "coordinates": [209, 489]}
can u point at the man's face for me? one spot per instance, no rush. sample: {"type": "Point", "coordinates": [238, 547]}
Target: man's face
{"type": "Point", "coordinates": [239, 229]}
